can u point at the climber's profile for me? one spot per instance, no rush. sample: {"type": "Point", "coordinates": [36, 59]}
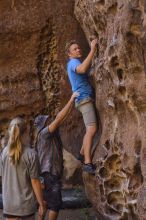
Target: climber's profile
{"type": "Point", "coordinates": [77, 72]}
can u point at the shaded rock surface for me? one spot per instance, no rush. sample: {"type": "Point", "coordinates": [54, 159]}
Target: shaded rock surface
{"type": "Point", "coordinates": [120, 80]}
{"type": "Point", "coordinates": [33, 80]}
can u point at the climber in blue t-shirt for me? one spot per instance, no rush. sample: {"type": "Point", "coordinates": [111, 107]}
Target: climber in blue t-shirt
{"type": "Point", "coordinates": [77, 73]}
{"type": "Point", "coordinates": [79, 82]}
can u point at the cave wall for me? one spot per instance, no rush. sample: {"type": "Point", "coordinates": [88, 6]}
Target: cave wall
{"type": "Point", "coordinates": [120, 81]}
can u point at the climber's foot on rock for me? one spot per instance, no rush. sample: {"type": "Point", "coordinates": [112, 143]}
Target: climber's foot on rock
{"type": "Point", "coordinates": [81, 158]}
{"type": "Point", "coordinates": [89, 168]}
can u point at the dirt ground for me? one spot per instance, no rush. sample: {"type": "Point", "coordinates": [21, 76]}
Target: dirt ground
{"type": "Point", "coordinates": [71, 214]}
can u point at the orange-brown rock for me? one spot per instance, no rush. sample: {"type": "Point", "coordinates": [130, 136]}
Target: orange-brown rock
{"type": "Point", "coordinates": [32, 80]}
{"type": "Point", "coordinates": [120, 79]}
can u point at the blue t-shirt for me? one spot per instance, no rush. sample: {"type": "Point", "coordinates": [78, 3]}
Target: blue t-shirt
{"type": "Point", "coordinates": [79, 82]}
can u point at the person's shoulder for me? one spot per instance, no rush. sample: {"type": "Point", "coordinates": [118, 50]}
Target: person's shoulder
{"type": "Point", "coordinates": [4, 152]}
{"type": "Point", "coordinates": [29, 156]}
{"type": "Point", "coordinates": [45, 134]}
{"type": "Point", "coordinates": [29, 151]}
{"type": "Point", "coordinates": [74, 60]}
{"type": "Point", "coordinates": [44, 131]}
{"type": "Point", "coordinates": [73, 63]}
{"type": "Point", "coordinates": [4, 149]}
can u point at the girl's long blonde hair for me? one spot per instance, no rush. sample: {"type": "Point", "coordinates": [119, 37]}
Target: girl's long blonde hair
{"type": "Point", "coordinates": [16, 131]}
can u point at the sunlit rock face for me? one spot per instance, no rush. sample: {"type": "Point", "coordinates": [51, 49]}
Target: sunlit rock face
{"type": "Point", "coordinates": [120, 80]}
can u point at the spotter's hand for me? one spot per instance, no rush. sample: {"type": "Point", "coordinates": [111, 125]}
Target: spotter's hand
{"type": "Point", "coordinates": [74, 95]}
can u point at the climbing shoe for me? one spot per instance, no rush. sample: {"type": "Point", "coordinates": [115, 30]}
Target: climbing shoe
{"type": "Point", "coordinates": [81, 158]}
{"type": "Point", "coordinates": [89, 168]}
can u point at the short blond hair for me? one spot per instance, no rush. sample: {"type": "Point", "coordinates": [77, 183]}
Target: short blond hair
{"type": "Point", "coordinates": [68, 45]}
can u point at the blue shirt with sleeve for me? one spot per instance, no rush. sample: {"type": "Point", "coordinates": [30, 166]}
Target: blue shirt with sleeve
{"type": "Point", "coordinates": [79, 82]}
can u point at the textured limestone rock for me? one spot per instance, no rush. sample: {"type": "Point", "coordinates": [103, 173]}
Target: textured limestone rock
{"type": "Point", "coordinates": [120, 80]}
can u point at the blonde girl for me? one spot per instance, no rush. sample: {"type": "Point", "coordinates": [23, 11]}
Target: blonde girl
{"type": "Point", "coordinates": [20, 175]}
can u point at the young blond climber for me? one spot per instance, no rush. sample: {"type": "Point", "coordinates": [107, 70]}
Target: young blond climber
{"type": "Point", "coordinates": [78, 76]}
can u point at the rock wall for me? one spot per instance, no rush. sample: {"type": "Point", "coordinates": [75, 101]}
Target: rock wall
{"type": "Point", "coordinates": [120, 79]}
{"type": "Point", "coordinates": [33, 80]}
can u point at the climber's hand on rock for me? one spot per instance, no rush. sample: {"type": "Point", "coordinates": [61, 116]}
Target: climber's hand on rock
{"type": "Point", "coordinates": [94, 44]}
